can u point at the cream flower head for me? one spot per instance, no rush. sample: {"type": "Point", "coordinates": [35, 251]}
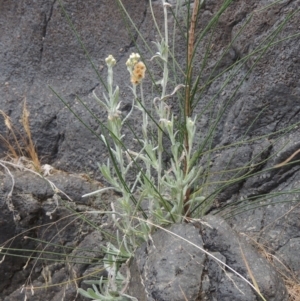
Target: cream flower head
{"type": "Point", "coordinates": [133, 59]}
{"type": "Point", "coordinates": [110, 61]}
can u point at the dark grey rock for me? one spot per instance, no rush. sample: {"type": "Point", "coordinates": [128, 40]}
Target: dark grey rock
{"type": "Point", "coordinates": [38, 50]}
{"type": "Point", "coordinates": [170, 268]}
{"type": "Point", "coordinates": [266, 102]}
{"type": "Point", "coordinates": [237, 253]}
{"type": "Point", "coordinates": [53, 239]}
{"type": "Point", "coordinates": [289, 256]}
{"type": "Point", "coordinates": [272, 222]}
{"type": "Point", "coordinates": [89, 250]}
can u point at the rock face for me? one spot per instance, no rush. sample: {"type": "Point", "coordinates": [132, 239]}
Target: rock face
{"type": "Point", "coordinates": [38, 50]}
{"type": "Point", "coordinates": [172, 268]}
{"type": "Point", "coordinates": [47, 227]}
{"type": "Point", "coordinates": [256, 113]}
{"type": "Point", "coordinates": [219, 239]}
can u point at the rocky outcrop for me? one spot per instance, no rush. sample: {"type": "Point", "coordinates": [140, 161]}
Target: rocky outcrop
{"type": "Point", "coordinates": [170, 268]}
{"type": "Point", "coordinates": [256, 131]}
{"type": "Point", "coordinates": [173, 265]}
{"type": "Point", "coordinates": [48, 237]}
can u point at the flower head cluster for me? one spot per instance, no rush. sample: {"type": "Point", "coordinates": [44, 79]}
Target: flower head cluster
{"type": "Point", "coordinates": [138, 73]}
{"type": "Point", "coordinates": [133, 59]}
{"type": "Point", "coordinates": [136, 68]}
{"type": "Point", "coordinates": [110, 61]}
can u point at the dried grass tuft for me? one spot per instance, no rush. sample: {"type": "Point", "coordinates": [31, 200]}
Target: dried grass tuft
{"type": "Point", "coordinates": [20, 146]}
{"type": "Point", "coordinates": [293, 289]}
{"type": "Point", "coordinates": [30, 147]}
{"type": "Point", "coordinates": [291, 281]}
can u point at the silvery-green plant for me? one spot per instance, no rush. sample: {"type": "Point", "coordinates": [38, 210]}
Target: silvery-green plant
{"type": "Point", "coordinates": [170, 192]}
{"type": "Point", "coordinates": [162, 188]}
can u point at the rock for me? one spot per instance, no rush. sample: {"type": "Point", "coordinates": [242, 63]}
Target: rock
{"type": "Point", "coordinates": [169, 267]}
{"type": "Point", "coordinates": [38, 50]}
{"type": "Point", "coordinates": [272, 221]}
{"type": "Point", "coordinates": [256, 115]}
{"type": "Point", "coordinates": [53, 239]}
{"type": "Point", "coordinates": [53, 57]}
{"type": "Point", "coordinates": [172, 269]}
{"type": "Point", "coordinates": [288, 255]}
{"type": "Point", "coordinates": [237, 253]}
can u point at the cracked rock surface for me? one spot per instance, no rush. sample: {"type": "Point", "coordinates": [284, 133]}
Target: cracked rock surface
{"type": "Point", "coordinates": [234, 250]}
{"type": "Point", "coordinates": [39, 50]}
{"type": "Point", "coordinates": [171, 268]}
{"type": "Point", "coordinates": [48, 227]}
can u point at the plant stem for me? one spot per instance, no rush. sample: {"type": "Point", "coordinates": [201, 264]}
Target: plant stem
{"type": "Point", "coordinates": [166, 70]}
{"type": "Point", "coordinates": [165, 54]}
{"type": "Point", "coordinates": [187, 106]}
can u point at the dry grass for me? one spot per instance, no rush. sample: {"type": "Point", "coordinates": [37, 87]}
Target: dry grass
{"type": "Point", "coordinates": [291, 281]}
{"type": "Point", "coordinates": [293, 289]}
{"type": "Point", "coordinates": [250, 272]}
{"type": "Point", "coordinates": [12, 147]}
{"type": "Point", "coordinates": [20, 147]}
